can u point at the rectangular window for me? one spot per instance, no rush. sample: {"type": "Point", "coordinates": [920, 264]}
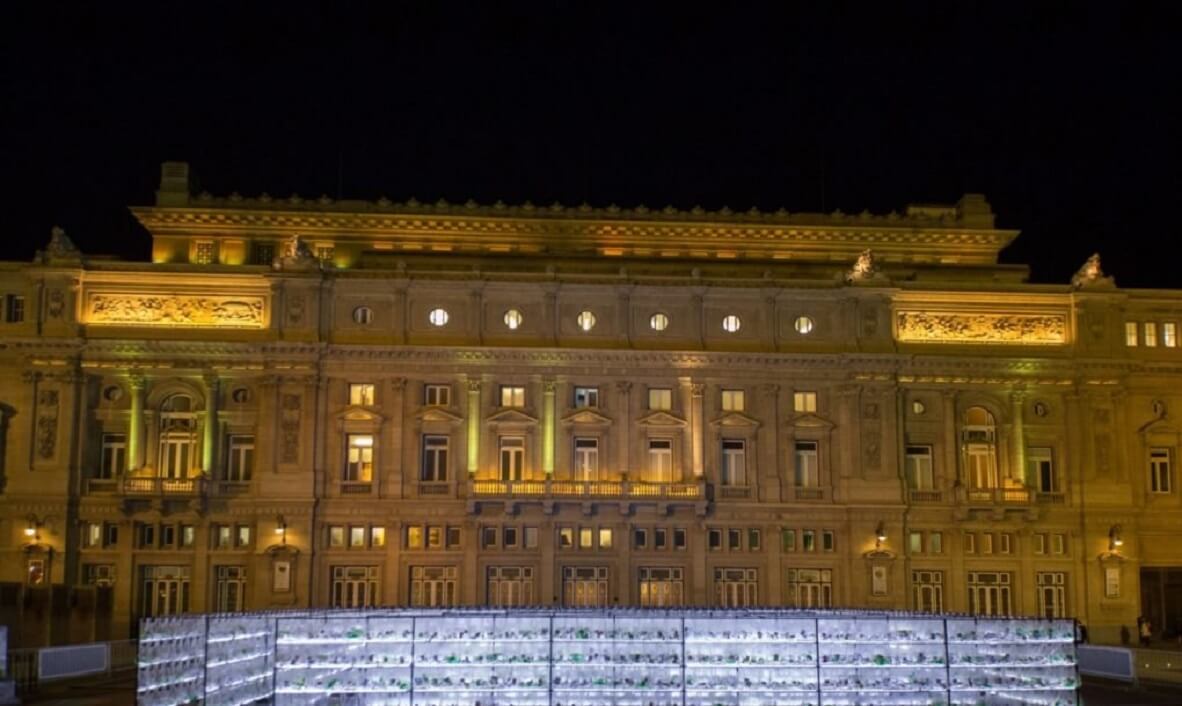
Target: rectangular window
{"type": "Point", "coordinates": [164, 590]}
{"type": "Point", "coordinates": [203, 252]}
{"type": "Point", "coordinates": [586, 459]}
{"type": "Point", "coordinates": [488, 537]}
{"type": "Point", "coordinates": [1040, 544]}
{"type": "Point", "coordinates": [512, 457]}
{"type": "Point", "coordinates": [733, 401]}
{"type": "Point", "coordinates": [240, 464]}
{"type": "Point", "coordinates": [453, 537]}
{"type": "Point", "coordinates": [640, 538]}
{"type": "Point", "coordinates": [1169, 334]}
{"type": "Point", "coordinates": [936, 542]}
{"type": "Point", "coordinates": [1150, 334]}
{"type": "Point", "coordinates": [660, 398]}
{"type": "Point", "coordinates": [566, 537]}
{"type": "Point", "coordinates": [242, 536]}
{"type": "Point", "coordinates": [114, 460]}
{"type": "Point", "coordinates": [111, 531]}
{"type": "Point", "coordinates": [927, 591]}
{"type": "Point", "coordinates": [1005, 542]}
{"type": "Point", "coordinates": [754, 540]}
{"type": "Point", "coordinates": [987, 543]}
{"type": "Point", "coordinates": [435, 450]}
{"type": "Point", "coordinates": [605, 537]}
{"type": "Point", "coordinates": [510, 586]}
{"type": "Point", "coordinates": [356, 537]}
{"type": "Point", "coordinates": [734, 462]}
{"type": "Point", "coordinates": [324, 251]}
{"type": "Point", "coordinates": [680, 538]}
{"type": "Point", "coordinates": [509, 537]}
{"type": "Point", "coordinates": [584, 586]}
{"type": "Point", "coordinates": [359, 459]}
{"type": "Point", "coordinates": [1052, 594]}
{"type": "Point", "coordinates": [734, 540]}
{"type": "Point", "coordinates": [809, 588]}
{"type": "Point", "coordinates": [586, 397]}
{"type": "Point", "coordinates": [531, 537]}
{"type": "Point", "coordinates": [1058, 544]}
{"type": "Point", "coordinates": [803, 402]}
{"type": "Point", "coordinates": [512, 396]}
{"type": "Point", "coordinates": [788, 540]}
{"type": "Point", "coordinates": [377, 536]}
{"type": "Point", "coordinates": [1131, 334]}
{"type": "Point", "coordinates": [354, 586]}
{"type": "Point", "coordinates": [808, 540]}
{"type": "Point", "coordinates": [263, 253]}
{"type": "Point", "coordinates": [989, 593]}
{"type": "Point", "coordinates": [98, 574]}
{"type": "Point", "coordinates": [806, 466]}
{"type": "Point", "coordinates": [92, 535]}
{"type": "Point", "coordinates": [231, 589]}
{"type": "Point", "coordinates": [660, 538]}
{"type": "Point", "coordinates": [1042, 468]}
{"type": "Point", "coordinates": [223, 536]}
{"type": "Point", "coordinates": [915, 542]}
{"type": "Point", "coordinates": [167, 536]}
{"type": "Point", "coordinates": [661, 587]}
{"type": "Point", "coordinates": [14, 309]}
{"type": "Point", "coordinates": [361, 394]}
{"type": "Point", "coordinates": [414, 537]}
{"type": "Point", "coordinates": [586, 538]}
{"type": "Point", "coordinates": [736, 588]}
{"type": "Point", "coordinates": [917, 465]}
{"type": "Point", "coordinates": [434, 537]}
{"type": "Point", "coordinates": [970, 543]}
{"type": "Point", "coordinates": [660, 460]}
{"type": "Point", "coordinates": [714, 539]}
{"type": "Point", "coordinates": [1160, 474]}
{"type": "Point", "coordinates": [435, 395]}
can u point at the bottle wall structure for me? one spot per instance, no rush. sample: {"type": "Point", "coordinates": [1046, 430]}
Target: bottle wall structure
{"type": "Point", "coordinates": [617, 657]}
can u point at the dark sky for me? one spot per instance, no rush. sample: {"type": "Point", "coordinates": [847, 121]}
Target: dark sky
{"type": "Point", "coordinates": [1064, 114]}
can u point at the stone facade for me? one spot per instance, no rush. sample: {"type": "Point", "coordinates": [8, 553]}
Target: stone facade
{"type": "Point", "coordinates": [335, 403]}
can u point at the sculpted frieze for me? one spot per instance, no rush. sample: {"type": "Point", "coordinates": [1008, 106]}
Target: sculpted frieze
{"type": "Point", "coordinates": [981, 327]}
{"type": "Point", "coordinates": [176, 310]}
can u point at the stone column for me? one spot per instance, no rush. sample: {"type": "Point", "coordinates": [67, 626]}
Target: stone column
{"type": "Point", "coordinates": [210, 431]}
{"type": "Point", "coordinates": [623, 431]}
{"type": "Point", "coordinates": [135, 424]}
{"type": "Point", "coordinates": [682, 474]}
{"type": "Point", "coordinates": [698, 390]}
{"type": "Point", "coordinates": [951, 447]}
{"type": "Point", "coordinates": [1018, 440]}
{"type": "Point", "coordinates": [549, 390]}
{"type": "Point", "coordinates": [473, 426]}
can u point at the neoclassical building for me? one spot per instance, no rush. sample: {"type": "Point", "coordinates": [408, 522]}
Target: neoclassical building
{"type": "Point", "coordinates": [343, 403]}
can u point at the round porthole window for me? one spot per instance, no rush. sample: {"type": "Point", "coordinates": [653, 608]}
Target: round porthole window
{"type": "Point", "coordinates": [658, 322]}
{"type": "Point", "coordinates": [363, 315]}
{"type": "Point", "coordinates": [731, 323]}
{"type": "Point", "coordinates": [585, 320]}
{"type": "Point", "coordinates": [803, 325]}
{"type": "Point", "coordinates": [240, 395]}
{"type": "Point", "coordinates": [1041, 409]}
{"type": "Point", "coordinates": [513, 319]}
{"type": "Point", "coordinates": [113, 393]}
{"type": "Point", "coordinates": [918, 407]}
{"type": "Point", "coordinates": [438, 317]}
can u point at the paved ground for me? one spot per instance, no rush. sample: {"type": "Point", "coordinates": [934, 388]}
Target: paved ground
{"type": "Point", "coordinates": [121, 692]}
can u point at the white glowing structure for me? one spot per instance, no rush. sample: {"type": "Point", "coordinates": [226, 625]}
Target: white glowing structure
{"type": "Point", "coordinates": [641, 657]}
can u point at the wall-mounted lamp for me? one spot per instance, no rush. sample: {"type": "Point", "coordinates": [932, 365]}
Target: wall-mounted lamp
{"type": "Point", "coordinates": [281, 529]}
{"type": "Point", "coordinates": [32, 529]}
{"type": "Point", "coordinates": [879, 535]}
{"type": "Point", "coordinates": [1114, 539]}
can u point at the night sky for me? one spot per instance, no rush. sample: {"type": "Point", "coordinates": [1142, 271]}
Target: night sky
{"type": "Point", "coordinates": [1064, 114]}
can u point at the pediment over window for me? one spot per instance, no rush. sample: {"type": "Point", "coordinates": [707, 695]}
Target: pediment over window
{"type": "Point", "coordinates": [357, 413]}
{"type": "Point", "coordinates": [808, 420]}
{"type": "Point", "coordinates": [436, 414]}
{"type": "Point", "coordinates": [1159, 427]}
{"type": "Point", "coordinates": [731, 420]}
{"type": "Point", "coordinates": [661, 419]}
{"type": "Point", "coordinates": [588, 417]}
{"type": "Point", "coordinates": [512, 417]}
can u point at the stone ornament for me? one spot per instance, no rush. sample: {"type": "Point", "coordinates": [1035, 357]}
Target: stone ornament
{"type": "Point", "coordinates": [47, 414]}
{"type": "Point", "coordinates": [980, 327]}
{"type": "Point", "coordinates": [59, 250]}
{"type": "Point", "coordinates": [1091, 275]}
{"type": "Point", "coordinates": [295, 256]}
{"type": "Point", "coordinates": [176, 310]}
{"type": "Point", "coordinates": [865, 270]}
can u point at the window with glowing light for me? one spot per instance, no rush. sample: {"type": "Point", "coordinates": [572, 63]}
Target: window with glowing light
{"type": "Point", "coordinates": [438, 317]}
{"type": "Point", "coordinates": [731, 323]}
{"type": "Point", "coordinates": [513, 319]}
{"type": "Point", "coordinates": [658, 322]}
{"type": "Point", "coordinates": [585, 320]}
{"type": "Point", "coordinates": [803, 325]}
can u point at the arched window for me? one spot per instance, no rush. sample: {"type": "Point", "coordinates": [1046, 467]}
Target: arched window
{"type": "Point", "coordinates": [979, 444]}
{"type": "Point", "coordinates": [178, 433]}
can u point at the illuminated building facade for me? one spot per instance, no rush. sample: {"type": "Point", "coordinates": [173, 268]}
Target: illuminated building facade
{"type": "Point", "coordinates": [318, 402]}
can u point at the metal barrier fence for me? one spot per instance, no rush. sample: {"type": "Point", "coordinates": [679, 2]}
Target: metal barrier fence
{"type": "Point", "coordinates": [32, 666]}
{"type": "Point", "coordinates": [1107, 662]}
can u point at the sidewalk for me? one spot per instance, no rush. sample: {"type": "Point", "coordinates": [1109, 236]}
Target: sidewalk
{"type": "Point", "coordinates": [116, 690]}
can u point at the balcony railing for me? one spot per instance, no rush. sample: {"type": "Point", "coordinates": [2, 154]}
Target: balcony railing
{"type": "Point", "coordinates": [926, 496]}
{"type": "Point", "coordinates": [734, 492]}
{"type": "Point", "coordinates": [1051, 498]}
{"type": "Point", "coordinates": [434, 488]}
{"type": "Point", "coordinates": [585, 489]}
{"type": "Point", "coordinates": [999, 496]}
{"type": "Point", "coordinates": [350, 487]}
{"type": "Point", "coordinates": [147, 486]}
{"type": "Point", "coordinates": [806, 493]}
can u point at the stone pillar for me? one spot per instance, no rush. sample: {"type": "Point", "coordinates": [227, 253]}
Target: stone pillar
{"type": "Point", "coordinates": [135, 424]}
{"type": "Point", "coordinates": [682, 473]}
{"type": "Point", "coordinates": [623, 430]}
{"type": "Point", "coordinates": [698, 390]}
{"type": "Point", "coordinates": [1018, 440]}
{"type": "Point", "coordinates": [549, 389]}
{"type": "Point", "coordinates": [951, 445]}
{"type": "Point", "coordinates": [473, 426]}
{"type": "Point", "coordinates": [210, 431]}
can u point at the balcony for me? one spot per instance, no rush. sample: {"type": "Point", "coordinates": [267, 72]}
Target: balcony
{"type": "Point", "coordinates": [734, 492]}
{"type": "Point", "coordinates": [146, 487]}
{"type": "Point", "coordinates": [513, 489]}
{"type": "Point", "coordinates": [926, 496]}
{"type": "Point", "coordinates": [809, 493]}
{"type": "Point", "coordinates": [999, 496]}
{"type": "Point", "coordinates": [433, 488]}
{"type": "Point", "coordinates": [1051, 498]}
{"type": "Point", "coordinates": [350, 487]}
